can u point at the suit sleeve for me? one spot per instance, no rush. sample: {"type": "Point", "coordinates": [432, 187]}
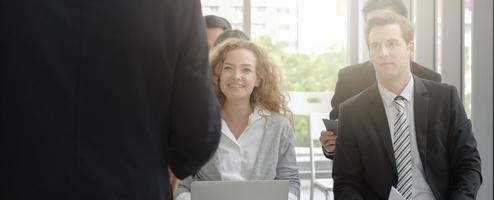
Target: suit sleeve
{"type": "Point", "coordinates": [328, 155]}
{"type": "Point", "coordinates": [424, 72]}
{"type": "Point", "coordinates": [338, 96]}
{"type": "Point", "coordinates": [464, 157]}
{"type": "Point", "coordinates": [195, 120]}
{"type": "Point", "coordinates": [347, 168]}
{"type": "Point", "coordinates": [337, 99]}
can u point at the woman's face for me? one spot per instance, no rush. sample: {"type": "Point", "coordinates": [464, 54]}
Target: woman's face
{"type": "Point", "coordinates": [238, 76]}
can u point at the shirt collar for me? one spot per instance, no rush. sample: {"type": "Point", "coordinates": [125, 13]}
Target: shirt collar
{"type": "Point", "coordinates": [388, 96]}
{"type": "Point", "coordinates": [258, 113]}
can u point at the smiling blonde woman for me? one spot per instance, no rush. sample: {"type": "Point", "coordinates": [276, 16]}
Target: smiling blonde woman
{"type": "Point", "coordinates": [257, 138]}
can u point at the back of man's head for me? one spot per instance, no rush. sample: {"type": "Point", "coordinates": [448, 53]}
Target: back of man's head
{"type": "Point", "coordinates": [396, 6]}
{"type": "Point", "coordinates": [213, 21]}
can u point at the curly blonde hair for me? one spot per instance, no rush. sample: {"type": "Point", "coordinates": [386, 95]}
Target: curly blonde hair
{"type": "Point", "coordinates": [268, 94]}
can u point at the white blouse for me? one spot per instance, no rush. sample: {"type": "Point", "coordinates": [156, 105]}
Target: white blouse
{"type": "Point", "coordinates": [237, 157]}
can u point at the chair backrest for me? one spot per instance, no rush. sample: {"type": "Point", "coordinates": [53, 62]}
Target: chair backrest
{"type": "Point", "coordinates": [316, 125]}
{"type": "Point", "coordinates": [304, 103]}
{"type": "Point", "coordinates": [316, 106]}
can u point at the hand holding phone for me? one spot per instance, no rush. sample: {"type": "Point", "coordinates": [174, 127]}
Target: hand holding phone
{"type": "Point", "coordinates": [331, 125]}
{"type": "Point", "coordinates": [328, 137]}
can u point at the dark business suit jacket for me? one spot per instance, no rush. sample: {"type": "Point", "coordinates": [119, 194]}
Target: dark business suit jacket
{"type": "Point", "coordinates": [356, 78]}
{"type": "Point", "coordinates": [364, 165]}
{"type": "Point", "coordinates": [99, 97]}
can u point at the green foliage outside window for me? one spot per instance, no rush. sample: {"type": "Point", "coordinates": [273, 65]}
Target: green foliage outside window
{"type": "Point", "coordinates": [304, 72]}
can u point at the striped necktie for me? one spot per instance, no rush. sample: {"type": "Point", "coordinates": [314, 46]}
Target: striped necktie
{"type": "Point", "coordinates": [402, 148]}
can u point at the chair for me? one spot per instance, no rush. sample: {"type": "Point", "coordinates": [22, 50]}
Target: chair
{"type": "Point", "coordinates": [315, 105]}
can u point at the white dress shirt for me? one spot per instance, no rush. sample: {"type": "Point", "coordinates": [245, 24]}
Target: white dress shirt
{"type": "Point", "coordinates": [420, 188]}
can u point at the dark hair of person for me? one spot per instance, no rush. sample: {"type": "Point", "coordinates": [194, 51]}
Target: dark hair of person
{"type": "Point", "coordinates": [396, 5]}
{"type": "Point", "coordinates": [213, 21]}
{"type": "Point", "coordinates": [407, 29]}
{"type": "Point", "coordinates": [231, 34]}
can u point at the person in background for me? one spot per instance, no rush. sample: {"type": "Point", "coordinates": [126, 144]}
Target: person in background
{"type": "Point", "coordinates": [215, 25]}
{"type": "Point", "coordinates": [98, 98]}
{"type": "Point", "coordinates": [230, 34]}
{"type": "Point", "coordinates": [403, 135]}
{"type": "Point", "coordinates": [355, 78]}
{"type": "Point", "coordinates": [257, 141]}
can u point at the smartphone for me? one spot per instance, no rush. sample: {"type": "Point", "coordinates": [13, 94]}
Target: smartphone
{"type": "Point", "coordinates": [331, 125]}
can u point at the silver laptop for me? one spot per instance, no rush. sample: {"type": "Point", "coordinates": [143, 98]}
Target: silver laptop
{"type": "Point", "coordinates": [239, 190]}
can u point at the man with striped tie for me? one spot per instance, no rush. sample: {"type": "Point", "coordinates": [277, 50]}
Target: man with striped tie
{"type": "Point", "coordinates": [403, 132]}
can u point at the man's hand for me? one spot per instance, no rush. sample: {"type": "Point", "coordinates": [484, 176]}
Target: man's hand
{"type": "Point", "coordinates": [328, 141]}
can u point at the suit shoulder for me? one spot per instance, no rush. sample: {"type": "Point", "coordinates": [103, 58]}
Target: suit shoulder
{"type": "Point", "coordinates": [425, 73]}
{"type": "Point", "coordinates": [356, 69]}
{"type": "Point", "coordinates": [439, 90]}
{"type": "Point", "coordinates": [436, 85]}
{"type": "Point", "coordinates": [358, 99]}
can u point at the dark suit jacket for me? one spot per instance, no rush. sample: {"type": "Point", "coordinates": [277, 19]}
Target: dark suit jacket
{"type": "Point", "coordinates": [364, 165]}
{"type": "Point", "coordinates": [99, 97]}
{"type": "Point", "coordinates": [356, 78]}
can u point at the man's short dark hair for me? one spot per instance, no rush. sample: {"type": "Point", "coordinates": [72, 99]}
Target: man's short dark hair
{"type": "Point", "coordinates": [213, 21]}
{"type": "Point", "coordinates": [407, 29]}
{"type": "Point", "coordinates": [396, 5]}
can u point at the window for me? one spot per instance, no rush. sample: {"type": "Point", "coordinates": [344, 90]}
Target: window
{"type": "Point", "coordinates": [260, 9]}
{"type": "Point", "coordinates": [258, 26]}
{"type": "Point", "coordinates": [438, 35]}
{"type": "Point", "coordinates": [467, 56]}
{"type": "Point", "coordinates": [237, 26]}
{"type": "Point", "coordinates": [282, 10]}
{"type": "Point", "coordinates": [238, 9]}
{"type": "Point", "coordinates": [212, 8]}
{"type": "Point", "coordinates": [307, 49]}
{"type": "Point", "coordinates": [231, 10]}
{"type": "Point", "coordinates": [285, 27]}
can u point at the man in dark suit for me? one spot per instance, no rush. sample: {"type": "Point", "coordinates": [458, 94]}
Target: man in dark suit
{"type": "Point", "coordinates": [99, 97]}
{"type": "Point", "coordinates": [404, 131]}
{"type": "Point", "coordinates": [355, 78]}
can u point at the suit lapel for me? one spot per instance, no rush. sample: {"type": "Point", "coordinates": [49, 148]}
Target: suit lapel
{"type": "Point", "coordinates": [379, 119]}
{"type": "Point", "coordinates": [420, 109]}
